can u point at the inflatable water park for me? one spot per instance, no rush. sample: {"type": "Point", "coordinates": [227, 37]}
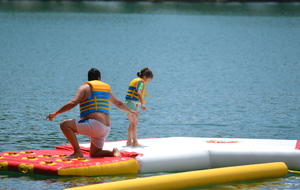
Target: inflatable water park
{"type": "Point", "coordinates": [171, 154]}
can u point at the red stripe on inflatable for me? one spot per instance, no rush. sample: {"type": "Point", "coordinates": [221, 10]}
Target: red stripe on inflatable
{"type": "Point", "coordinates": [298, 145]}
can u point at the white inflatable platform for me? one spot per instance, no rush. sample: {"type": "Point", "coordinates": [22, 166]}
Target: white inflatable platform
{"type": "Point", "coordinates": [192, 153]}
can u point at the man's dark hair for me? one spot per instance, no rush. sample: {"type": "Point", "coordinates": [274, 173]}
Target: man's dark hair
{"type": "Point", "coordinates": [94, 74]}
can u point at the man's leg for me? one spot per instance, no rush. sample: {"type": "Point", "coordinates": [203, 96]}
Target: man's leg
{"type": "Point", "coordinates": [68, 127]}
{"type": "Point", "coordinates": [98, 152]}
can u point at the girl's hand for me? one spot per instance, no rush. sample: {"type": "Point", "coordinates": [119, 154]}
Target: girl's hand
{"type": "Point", "coordinates": [143, 107]}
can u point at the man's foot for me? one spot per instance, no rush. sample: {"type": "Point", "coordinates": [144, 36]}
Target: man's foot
{"type": "Point", "coordinates": [75, 155]}
{"type": "Point", "coordinates": [116, 152]}
{"type": "Point", "coordinates": [136, 144]}
{"type": "Point", "coordinates": [129, 143]}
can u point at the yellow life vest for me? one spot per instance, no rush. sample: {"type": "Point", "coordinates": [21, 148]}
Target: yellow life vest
{"type": "Point", "coordinates": [132, 93]}
{"type": "Point", "coordinates": [99, 99]}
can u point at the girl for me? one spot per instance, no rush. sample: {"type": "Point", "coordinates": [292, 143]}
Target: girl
{"type": "Point", "coordinates": [134, 97]}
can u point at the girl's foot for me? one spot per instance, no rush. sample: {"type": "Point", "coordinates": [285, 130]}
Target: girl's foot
{"type": "Point", "coordinates": [136, 144]}
{"type": "Point", "coordinates": [128, 144]}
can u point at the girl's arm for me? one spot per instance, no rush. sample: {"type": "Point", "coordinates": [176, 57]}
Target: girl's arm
{"type": "Point", "coordinates": [140, 87]}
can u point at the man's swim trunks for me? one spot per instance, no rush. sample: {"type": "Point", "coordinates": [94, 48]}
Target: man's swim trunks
{"type": "Point", "coordinates": [94, 129]}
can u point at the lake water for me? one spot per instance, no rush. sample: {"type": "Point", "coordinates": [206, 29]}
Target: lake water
{"type": "Point", "coordinates": [220, 70]}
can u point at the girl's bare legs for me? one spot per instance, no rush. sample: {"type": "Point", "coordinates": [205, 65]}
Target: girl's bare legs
{"type": "Point", "coordinates": [129, 133]}
{"type": "Point", "coordinates": [132, 131]}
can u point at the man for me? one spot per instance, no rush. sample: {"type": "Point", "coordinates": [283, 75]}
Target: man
{"type": "Point", "coordinates": [94, 98]}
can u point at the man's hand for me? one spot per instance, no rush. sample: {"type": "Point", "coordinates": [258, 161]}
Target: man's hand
{"type": "Point", "coordinates": [51, 116]}
{"type": "Point", "coordinates": [134, 113]}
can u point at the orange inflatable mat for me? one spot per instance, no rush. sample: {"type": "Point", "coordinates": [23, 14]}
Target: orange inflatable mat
{"type": "Point", "coordinates": [54, 162]}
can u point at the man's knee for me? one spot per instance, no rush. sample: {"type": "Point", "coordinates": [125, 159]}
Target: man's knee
{"type": "Point", "coordinates": [67, 124]}
{"type": "Point", "coordinates": [63, 124]}
{"type": "Point", "coordinates": [94, 152]}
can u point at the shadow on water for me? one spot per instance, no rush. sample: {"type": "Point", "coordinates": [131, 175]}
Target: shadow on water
{"type": "Point", "coordinates": [55, 182]}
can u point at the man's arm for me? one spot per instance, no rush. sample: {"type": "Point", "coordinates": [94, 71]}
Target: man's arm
{"type": "Point", "coordinates": [120, 105]}
{"type": "Point", "coordinates": [79, 96]}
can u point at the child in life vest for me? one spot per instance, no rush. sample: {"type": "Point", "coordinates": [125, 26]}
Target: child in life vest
{"type": "Point", "coordinates": [135, 97]}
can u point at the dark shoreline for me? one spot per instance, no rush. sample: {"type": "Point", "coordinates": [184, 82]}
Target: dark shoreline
{"type": "Point", "coordinates": [179, 1]}
{"type": "Point", "coordinates": [208, 1]}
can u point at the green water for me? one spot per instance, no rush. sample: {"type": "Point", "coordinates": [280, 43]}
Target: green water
{"type": "Point", "coordinates": [220, 70]}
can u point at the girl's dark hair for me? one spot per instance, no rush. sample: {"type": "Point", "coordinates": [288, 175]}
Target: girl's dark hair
{"type": "Point", "coordinates": [94, 74]}
{"type": "Point", "coordinates": [145, 72]}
